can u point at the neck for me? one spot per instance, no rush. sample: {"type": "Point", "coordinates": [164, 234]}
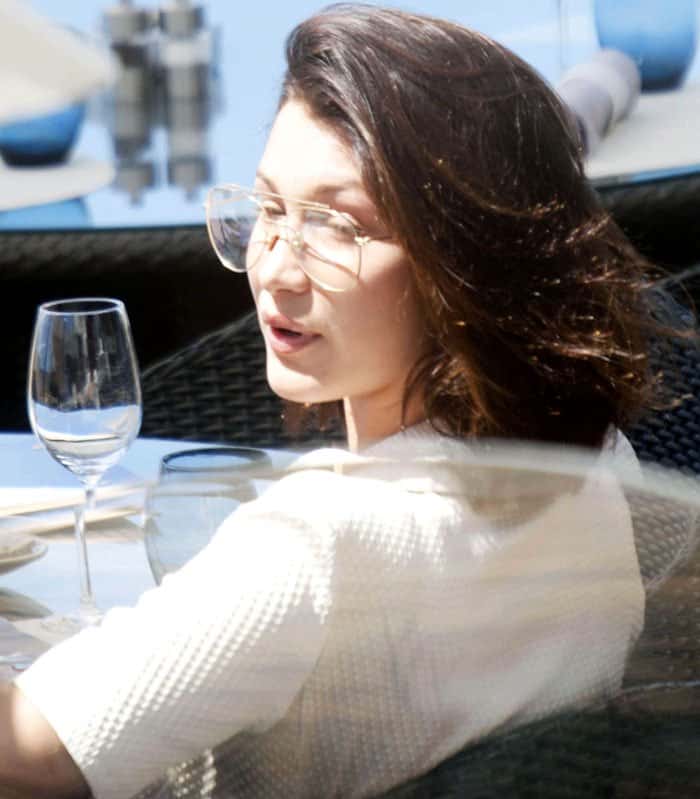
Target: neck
{"type": "Point", "coordinates": [369, 421]}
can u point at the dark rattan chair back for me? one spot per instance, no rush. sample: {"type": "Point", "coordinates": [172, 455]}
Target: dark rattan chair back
{"type": "Point", "coordinates": [672, 437]}
{"type": "Point", "coordinates": [645, 743]}
{"type": "Point", "coordinates": [169, 278]}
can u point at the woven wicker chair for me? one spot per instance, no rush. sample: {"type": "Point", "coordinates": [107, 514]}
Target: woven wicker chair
{"type": "Point", "coordinates": [659, 216]}
{"type": "Point", "coordinates": [645, 743]}
{"type": "Point", "coordinates": [169, 278]}
{"type": "Point", "coordinates": [642, 745]}
{"type": "Point", "coordinates": [672, 437]}
{"type": "Point", "coordinates": [215, 390]}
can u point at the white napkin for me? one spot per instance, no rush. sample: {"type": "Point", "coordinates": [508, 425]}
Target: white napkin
{"type": "Point", "coordinates": [44, 67]}
{"type": "Point", "coordinates": [53, 520]}
{"type": "Point", "coordinates": [25, 499]}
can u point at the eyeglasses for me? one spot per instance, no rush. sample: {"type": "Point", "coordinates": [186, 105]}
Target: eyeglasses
{"type": "Point", "coordinates": [244, 224]}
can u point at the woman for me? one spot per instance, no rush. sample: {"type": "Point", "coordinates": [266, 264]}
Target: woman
{"type": "Point", "coordinates": [425, 250]}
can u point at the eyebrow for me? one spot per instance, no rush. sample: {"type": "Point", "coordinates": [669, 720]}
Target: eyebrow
{"type": "Point", "coordinates": [259, 175]}
{"type": "Point", "coordinates": [322, 189]}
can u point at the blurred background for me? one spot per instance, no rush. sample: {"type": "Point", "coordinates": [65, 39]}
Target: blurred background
{"type": "Point", "coordinates": [168, 141]}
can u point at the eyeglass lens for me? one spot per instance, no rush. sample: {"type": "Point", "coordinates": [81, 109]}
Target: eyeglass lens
{"type": "Point", "coordinates": [243, 226]}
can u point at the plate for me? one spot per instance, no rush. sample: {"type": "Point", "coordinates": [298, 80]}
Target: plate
{"type": "Point", "coordinates": [36, 550]}
{"type": "Point", "coordinates": [18, 606]}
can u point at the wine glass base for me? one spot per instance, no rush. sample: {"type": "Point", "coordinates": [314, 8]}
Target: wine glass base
{"type": "Point", "coordinates": [32, 637]}
{"type": "Point", "coordinates": [58, 627]}
{"type": "Point", "coordinates": [17, 661]}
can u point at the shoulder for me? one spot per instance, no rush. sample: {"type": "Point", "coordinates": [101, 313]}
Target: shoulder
{"type": "Point", "coordinates": [344, 502]}
{"type": "Point", "coordinates": [335, 498]}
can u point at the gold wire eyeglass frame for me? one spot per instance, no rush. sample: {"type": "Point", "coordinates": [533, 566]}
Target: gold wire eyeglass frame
{"type": "Point", "coordinates": [296, 242]}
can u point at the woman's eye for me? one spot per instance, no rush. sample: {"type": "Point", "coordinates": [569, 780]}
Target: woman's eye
{"type": "Point", "coordinates": [272, 211]}
{"type": "Point", "coordinates": [331, 224]}
{"type": "Point", "coordinates": [343, 230]}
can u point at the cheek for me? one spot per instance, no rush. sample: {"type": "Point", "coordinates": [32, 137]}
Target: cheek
{"type": "Point", "coordinates": [386, 317]}
{"type": "Point", "coordinates": [252, 285]}
{"type": "Point", "coordinates": [393, 299]}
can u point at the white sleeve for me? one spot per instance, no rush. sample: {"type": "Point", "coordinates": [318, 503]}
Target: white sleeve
{"type": "Point", "coordinates": [221, 646]}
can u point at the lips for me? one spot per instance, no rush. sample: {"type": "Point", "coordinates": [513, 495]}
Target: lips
{"type": "Point", "coordinates": [285, 336]}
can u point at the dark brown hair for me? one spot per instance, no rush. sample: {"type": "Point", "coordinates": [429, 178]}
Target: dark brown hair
{"type": "Point", "coordinates": [534, 300]}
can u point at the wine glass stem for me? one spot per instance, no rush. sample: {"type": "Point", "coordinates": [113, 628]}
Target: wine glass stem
{"type": "Point", "coordinates": [562, 35]}
{"type": "Point", "coordinates": [88, 607]}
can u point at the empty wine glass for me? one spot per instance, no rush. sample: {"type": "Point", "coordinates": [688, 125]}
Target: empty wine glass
{"type": "Point", "coordinates": [84, 402]}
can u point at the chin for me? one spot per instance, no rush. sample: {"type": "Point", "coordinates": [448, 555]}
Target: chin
{"type": "Point", "coordinates": [296, 386]}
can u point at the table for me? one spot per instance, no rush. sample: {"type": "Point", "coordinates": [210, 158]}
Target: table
{"type": "Point", "coordinates": [118, 562]}
{"type": "Point", "coordinates": [117, 557]}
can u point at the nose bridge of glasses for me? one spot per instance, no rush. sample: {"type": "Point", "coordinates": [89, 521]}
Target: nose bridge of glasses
{"type": "Point", "coordinates": [277, 263]}
{"type": "Point", "coordinates": [282, 231]}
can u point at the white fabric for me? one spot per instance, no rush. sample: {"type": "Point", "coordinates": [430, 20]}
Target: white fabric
{"type": "Point", "coordinates": [353, 627]}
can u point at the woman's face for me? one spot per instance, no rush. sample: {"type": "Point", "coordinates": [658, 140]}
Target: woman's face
{"type": "Point", "coordinates": [357, 345]}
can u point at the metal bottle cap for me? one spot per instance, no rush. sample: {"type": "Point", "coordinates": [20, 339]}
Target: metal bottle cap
{"type": "Point", "coordinates": [180, 18]}
{"type": "Point", "coordinates": [123, 22]}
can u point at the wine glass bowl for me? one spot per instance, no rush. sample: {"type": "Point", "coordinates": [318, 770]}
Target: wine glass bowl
{"type": "Point", "coordinates": [196, 490]}
{"type": "Point", "coordinates": [84, 398]}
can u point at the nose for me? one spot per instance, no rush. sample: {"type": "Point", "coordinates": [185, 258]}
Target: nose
{"type": "Point", "coordinates": [278, 268]}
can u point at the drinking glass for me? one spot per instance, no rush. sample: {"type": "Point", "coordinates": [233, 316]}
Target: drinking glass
{"type": "Point", "coordinates": [196, 490]}
{"type": "Point", "coordinates": [84, 402]}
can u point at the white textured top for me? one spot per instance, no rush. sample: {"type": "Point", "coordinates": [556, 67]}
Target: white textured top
{"type": "Point", "coordinates": [352, 627]}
